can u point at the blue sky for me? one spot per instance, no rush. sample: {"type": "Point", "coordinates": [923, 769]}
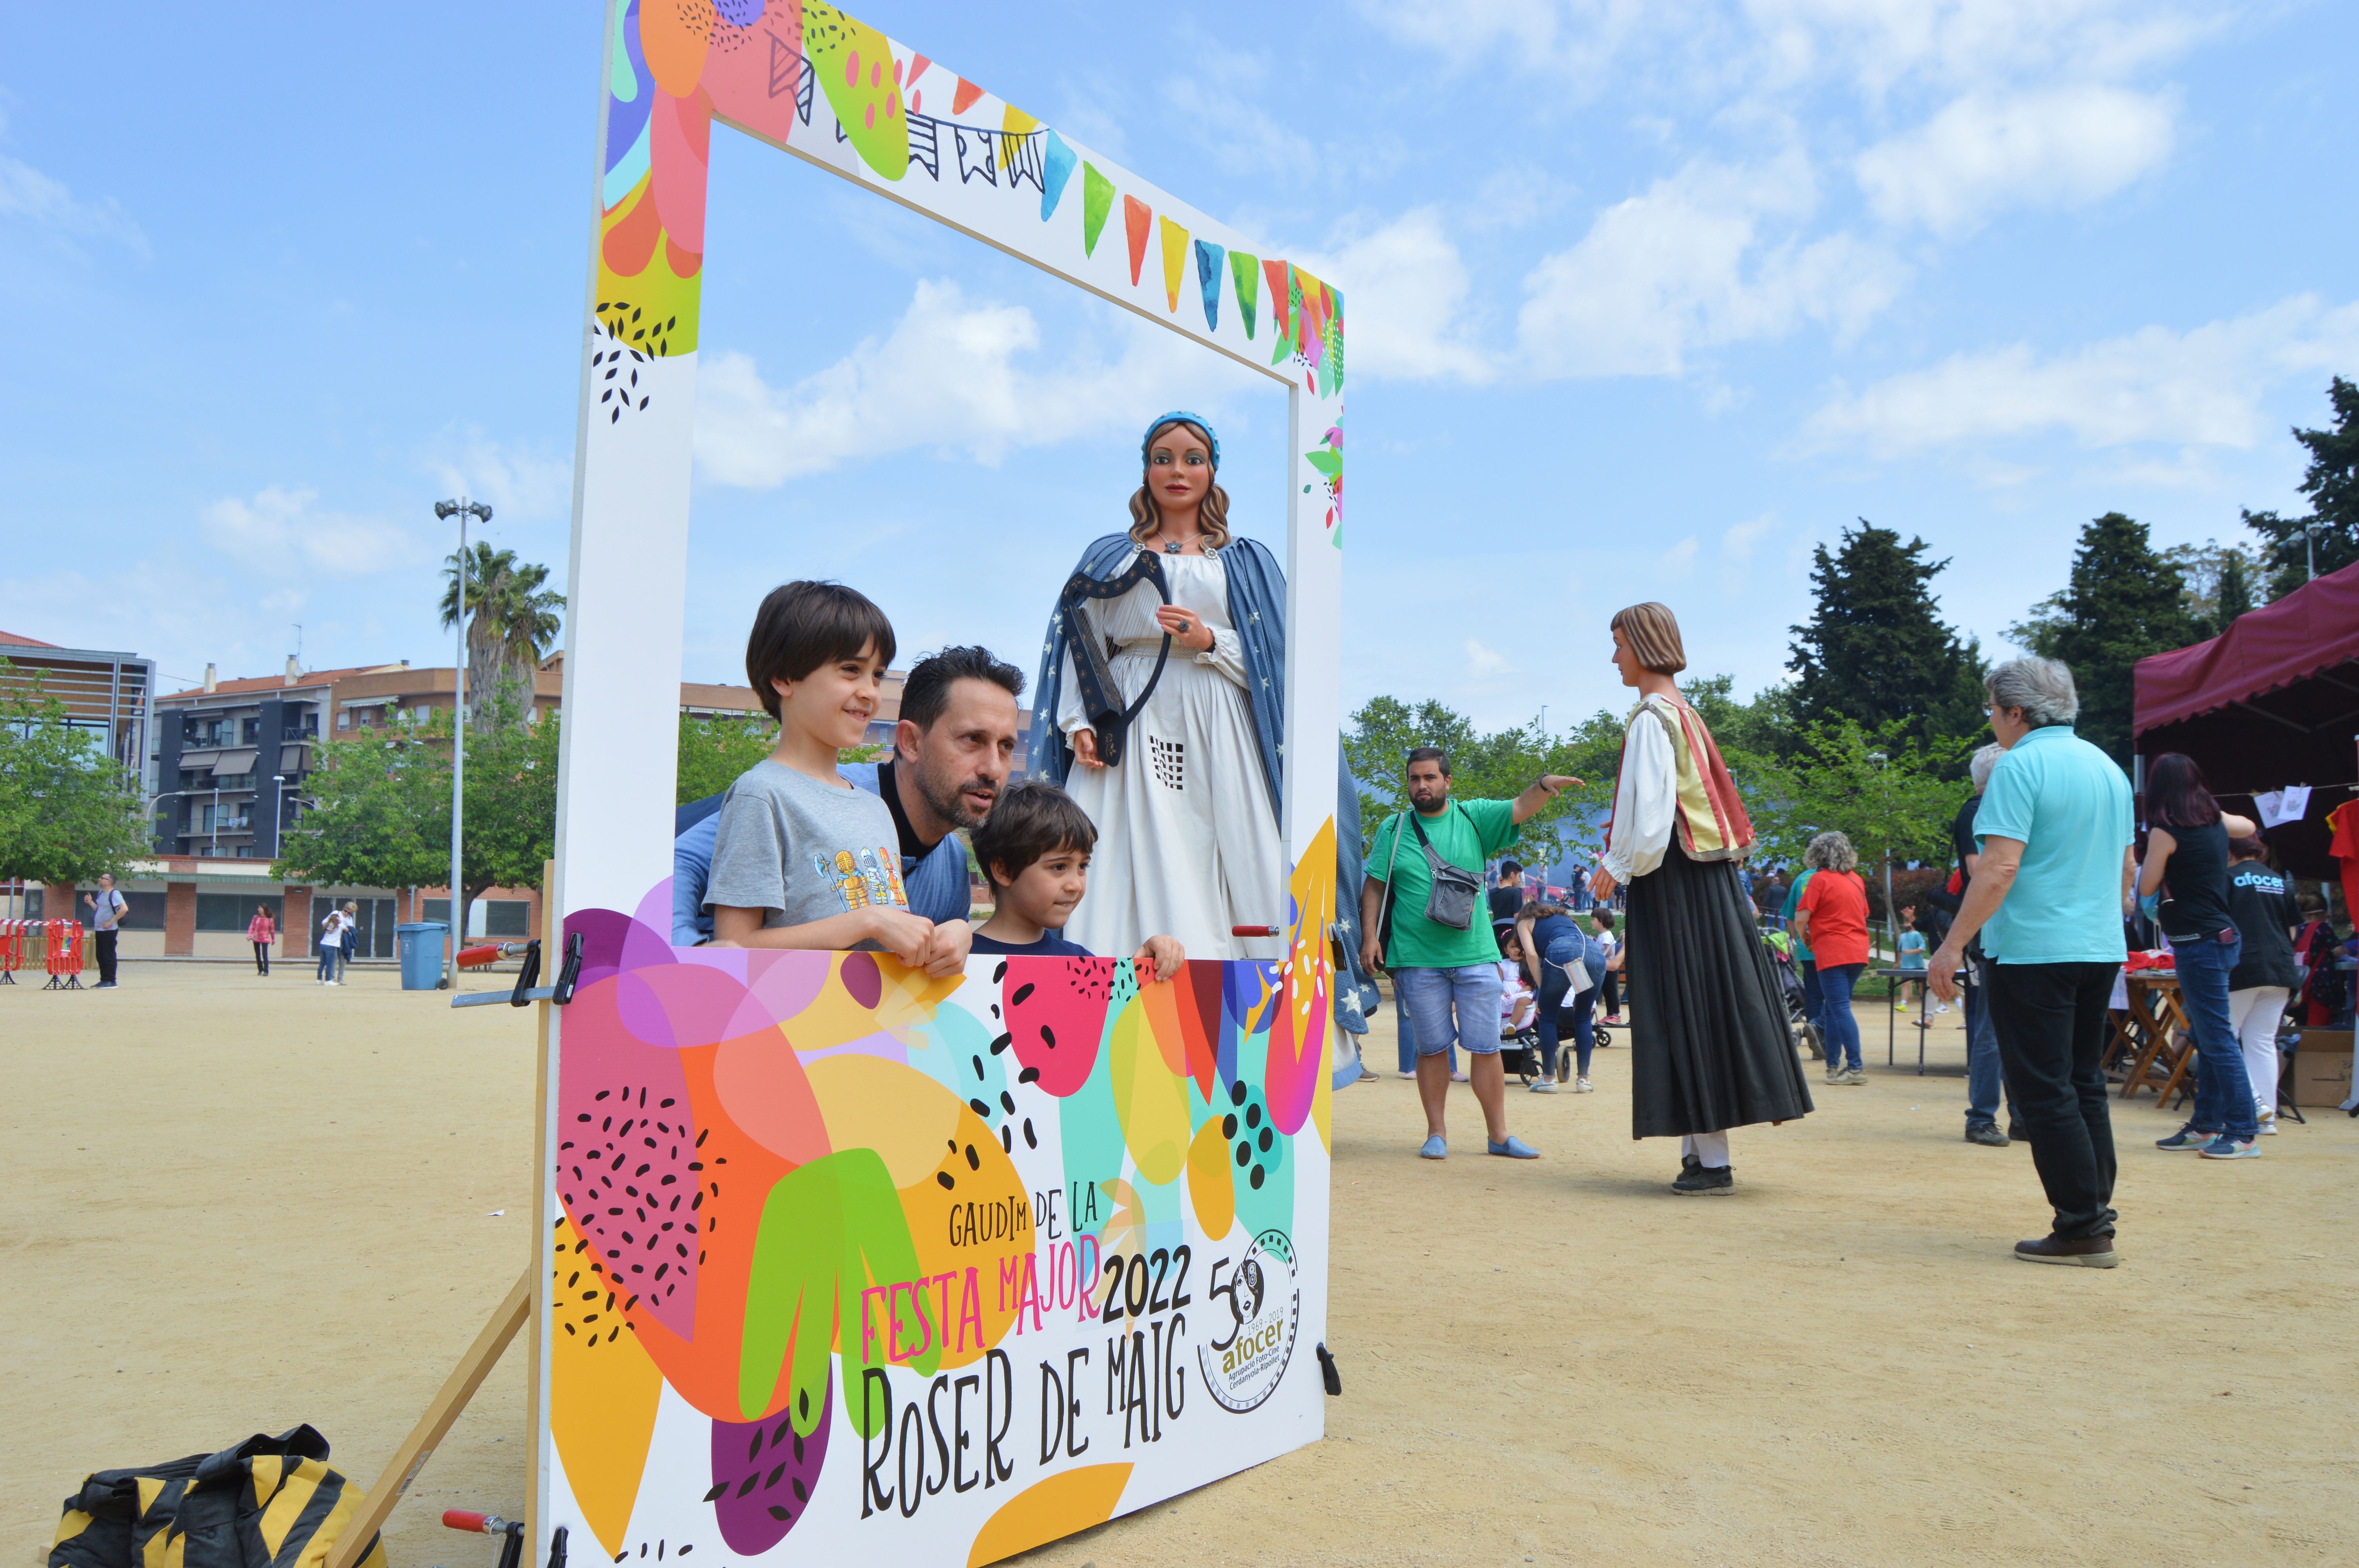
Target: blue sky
{"type": "Point", "coordinates": [1644, 298]}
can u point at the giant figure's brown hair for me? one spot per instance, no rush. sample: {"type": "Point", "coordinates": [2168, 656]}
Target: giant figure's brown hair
{"type": "Point", "coordinates": [1653, 634]}
{"type": "Point", "coordinates": [1212, 515]}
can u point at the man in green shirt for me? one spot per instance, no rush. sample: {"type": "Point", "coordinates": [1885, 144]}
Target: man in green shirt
{"type": "Point", "coordinates": [1448, 977]}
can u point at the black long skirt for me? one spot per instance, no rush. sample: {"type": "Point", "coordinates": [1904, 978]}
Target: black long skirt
{"type": "Point", "coordinates": [1710, 1046]}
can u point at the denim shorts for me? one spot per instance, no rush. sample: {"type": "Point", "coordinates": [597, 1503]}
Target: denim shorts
{"type": "Point", "coordinates": [1449, 1007]}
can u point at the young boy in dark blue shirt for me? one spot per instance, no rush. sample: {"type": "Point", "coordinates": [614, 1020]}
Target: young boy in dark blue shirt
{"type": "Point", "coordinates": [1034, 846]}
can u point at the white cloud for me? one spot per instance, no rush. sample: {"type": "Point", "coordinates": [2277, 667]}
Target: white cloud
{"type": "Point", "coordinates": [1579, 37]}
{"type": "Point", "coordinates": [28, 194]}
{"type": "Point", "coordinates": [1482, 661]}
{"type": "Point", "coordinates": [1689, 266]}
{"type": "Point", "coordinates": [281, 532]}
{"type": "Point", "coordinates": [1703, 48]}
{"type": "Point", "coordinates": [1222, 92]}
{"type": "Point", "coordinates": [1879, 44]}
{"type": "Point", "coordinates": [521, 485]}
{"type": "Point", "coordinates": [1404, 287]}
{"type": "Point", "coordinates": [953, 374]}
{"type": "Point", "coordinates": [1736, 545]}
{"type": "Point", "coordinates": [1680, 560]}
{"type": "Point", "coordinates": [2198, 388]}
{"type": "Point", "coordinates": [2061, 148]}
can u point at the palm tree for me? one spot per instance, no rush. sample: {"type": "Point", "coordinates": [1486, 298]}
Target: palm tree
{"type": "Point", "coordinates": [513, 622]}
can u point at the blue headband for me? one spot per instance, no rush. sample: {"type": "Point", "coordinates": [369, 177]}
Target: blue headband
{"type": "Point", "coordinates": [1146, 442]}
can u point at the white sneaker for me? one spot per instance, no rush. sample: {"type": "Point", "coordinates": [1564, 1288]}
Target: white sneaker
{"type": "Point", "coordinates": [2270, 1126]}
{"type": "Point", "coordinates": [1543, 1086]}
{"type": "Point", "coordinates": [1940, 1007]}
{"type": "Point", "coordinates": [1409, 1074]}
{"type": "Point", "coordinates": [1582, 1087]}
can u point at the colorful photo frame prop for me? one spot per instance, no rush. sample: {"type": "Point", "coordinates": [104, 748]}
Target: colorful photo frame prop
{"type": "Point", "coordinates": [837, 1258]}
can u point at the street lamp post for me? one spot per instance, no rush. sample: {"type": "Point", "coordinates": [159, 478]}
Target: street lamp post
{"type": "Point", "coordinates": [461, 509]}
{"type": "Point", "coordinates": [1883, 793]}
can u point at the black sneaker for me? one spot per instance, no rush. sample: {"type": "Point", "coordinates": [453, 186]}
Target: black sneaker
{"type": "Point", "coordinates": [1988, 1134]}
{"type": "Point", "coordinates": [2015, 1129]}
{"type": "Point", "coordinates": [1703, 1181]}
{"type": "Point", "coordinates": [1689, 1162]}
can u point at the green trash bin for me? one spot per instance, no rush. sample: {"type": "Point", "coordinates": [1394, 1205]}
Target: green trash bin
{"type": "Point", "coordinates": [420, 942]}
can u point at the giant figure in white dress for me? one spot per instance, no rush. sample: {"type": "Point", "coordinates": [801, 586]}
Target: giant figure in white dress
{"type": "Point", "coordinates": [1187, 813]}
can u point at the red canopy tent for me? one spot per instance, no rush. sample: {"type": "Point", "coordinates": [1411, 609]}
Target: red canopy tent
{"type": "Point", "coordinates": [2272, 701]}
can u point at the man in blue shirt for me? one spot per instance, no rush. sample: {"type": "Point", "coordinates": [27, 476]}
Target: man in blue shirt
{"type": "Point", "coordinates": [2054, 832]}
{"type": "Point", "coordinates": [951, 754]}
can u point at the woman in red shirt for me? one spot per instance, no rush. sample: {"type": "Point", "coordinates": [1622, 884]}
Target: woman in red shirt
{"type": "Point", "coordinates": [1832, 920]}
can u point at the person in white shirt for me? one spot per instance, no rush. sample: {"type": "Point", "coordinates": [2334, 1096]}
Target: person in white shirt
{"type": "Point", "coordinates": [331, 942]}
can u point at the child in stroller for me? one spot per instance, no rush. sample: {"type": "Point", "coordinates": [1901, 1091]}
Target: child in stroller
{"type": "Point", "coordinates": [1789, 986]}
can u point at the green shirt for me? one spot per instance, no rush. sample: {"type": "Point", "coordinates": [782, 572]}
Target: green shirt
{"type": "Point", "coordinates": [1793, 903]}
{"type": "Point", "coordinates": [1466, 834]}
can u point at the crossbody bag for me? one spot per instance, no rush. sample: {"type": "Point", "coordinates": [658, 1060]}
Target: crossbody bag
{"type": "Point", "coordinates": [1451, 901]}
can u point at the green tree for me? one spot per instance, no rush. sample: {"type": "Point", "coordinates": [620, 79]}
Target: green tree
{"type": "Point", "coordinates": [1875, 648]}
{"type": "Point", "coordinates": [378, 813]}
{"type": "Point", "coordinates": [513, 622]}
{"type": "Point", "coordinates": [2125, 601]}
{"type": "Point", "coordinates": [2333, 485]}
{"type": "Point", "coordinates": [1892, 795]}
{"type": "Point", "coordinates": [2218, 583]}
{"type": "Point", "coordinates": [713, 752]}
{"type": "Point", "coordinates": [68, 811]}
{"type": "Point", "coordinates": [1494, 766]}
{"type": "Point", "coordinates": [511, 821]}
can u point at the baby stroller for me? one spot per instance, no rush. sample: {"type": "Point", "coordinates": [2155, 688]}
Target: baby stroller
{"type": "Point", "coordinates": [1789, 986]}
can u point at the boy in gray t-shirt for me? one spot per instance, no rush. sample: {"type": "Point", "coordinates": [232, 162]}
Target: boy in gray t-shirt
{"type": "Point", "coordinates": [801, 859]}
{"type": "Point", "coordinates": [800, 850]}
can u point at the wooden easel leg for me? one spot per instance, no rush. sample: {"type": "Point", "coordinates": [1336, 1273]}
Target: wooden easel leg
{"type": "Point", "coordinates": [420, 1445]}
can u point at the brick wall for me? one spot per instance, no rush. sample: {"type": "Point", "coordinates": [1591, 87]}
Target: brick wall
{"type": "Point", "coordinates": [180, 920]}
{"type": "Point", "coordinates": [295, 922]}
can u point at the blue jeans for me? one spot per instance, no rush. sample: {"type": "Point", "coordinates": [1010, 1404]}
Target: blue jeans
{"type": "Point", "coordinates": [1984, 1079]}
{"type": "Point", "coordinates": [2223, 1090]}
{"type": "Point", "coordinates": [1460, 1007]}
{"type": "Point", "coordinates": [328, 962]}
{"type": "Point", "coordinates": [1404, 1034]}
{"type": "Point", "coordinates": [1835, 1020]}
{"type": "Point", "coordinates": [1556, 1014]}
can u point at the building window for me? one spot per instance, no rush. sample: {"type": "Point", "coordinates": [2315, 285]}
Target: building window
{"type": "Point", "coordinates": [234, 911]}
{"type": "Point", "coordinates": [506, 917]}
{"type": "Point", "coordinates": [344, 719]}
{"type": "Point", "coordinates": [142, 912]}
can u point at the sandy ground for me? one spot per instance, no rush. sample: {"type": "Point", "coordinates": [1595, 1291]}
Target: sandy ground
{"type": "Point", "coordinates": [233, 1205]}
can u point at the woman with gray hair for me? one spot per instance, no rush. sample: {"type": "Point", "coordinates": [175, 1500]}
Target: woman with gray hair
{"type": "Point", "coordinates": [1833, 918]}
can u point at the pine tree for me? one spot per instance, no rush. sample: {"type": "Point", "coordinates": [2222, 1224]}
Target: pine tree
{"type": "Point", "coordinates": [2126, 599]}
{"type": "Point", "coordinates": [1876, 650]}
{"type": "Point", "coordinates": [2234, 595]}
{"type": "Point", "coordinates": [2333, 486]}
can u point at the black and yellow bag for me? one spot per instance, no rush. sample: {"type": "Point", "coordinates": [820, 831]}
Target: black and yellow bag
{"type": "Point", "coordinates": [270, 1502]}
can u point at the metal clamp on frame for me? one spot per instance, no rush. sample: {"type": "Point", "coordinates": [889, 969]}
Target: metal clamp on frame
{"type": "Point", "coordinates": [569, 975]}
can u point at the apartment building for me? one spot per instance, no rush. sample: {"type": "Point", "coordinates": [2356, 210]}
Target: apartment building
{"type": "Point", "coordinates": [231, 759]}
{"type": "Point", "coordinates": [110, 695]}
